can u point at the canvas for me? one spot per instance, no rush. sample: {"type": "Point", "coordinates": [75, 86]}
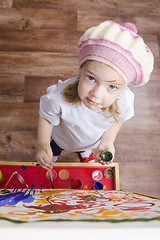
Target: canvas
{"type": "Point", "coordinates": [76, 205]}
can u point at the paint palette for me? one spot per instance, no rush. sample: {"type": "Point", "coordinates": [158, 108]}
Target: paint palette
{"type": "Point", "coordinates": [86, 176]}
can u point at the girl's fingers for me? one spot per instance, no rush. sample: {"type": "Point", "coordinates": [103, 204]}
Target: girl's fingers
{"type": "Point", "coordinates": [44, 160]}
{"type": "Point", "coordinates": [45, 165]}
{"type": "Point", "coordinates": [101, 162]}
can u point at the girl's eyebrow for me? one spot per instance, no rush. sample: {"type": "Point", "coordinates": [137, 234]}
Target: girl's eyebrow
{"type": "Point", "coordinates": [115, 83]}
{"type": "Point", "coordinates": [110, 81]}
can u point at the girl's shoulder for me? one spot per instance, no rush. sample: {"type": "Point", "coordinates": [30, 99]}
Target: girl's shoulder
{"type": "Point", "coordinates": [52, 103]}
{"type": "Point", "coordinates": [126, 96]}
{"type": "Point", "coordinates": [125, 102]}
{"type": "Point", "coordinates": [58, 88]}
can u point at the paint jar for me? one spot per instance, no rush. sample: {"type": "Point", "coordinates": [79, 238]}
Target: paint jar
{"type": "Point", "coordinates": [1, 177]}
{"type": "Point", "coordinates": [108, 173]}
{"type": "Point", "coordinates": [98, 186]}
{"type": "Point", "coordinates": [106, 156]}
{"type": "Point", "coordinates": [48, 175]}
{"type": "Point", "coordinates": [97, 175]}
{"type": "Point", "coordinates": [63, 174]}
{"type": "Point", "coordinates": [76, 184]}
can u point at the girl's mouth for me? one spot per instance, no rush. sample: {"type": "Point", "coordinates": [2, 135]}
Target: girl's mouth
{"type": "Point", "coordinates": [93, 103]}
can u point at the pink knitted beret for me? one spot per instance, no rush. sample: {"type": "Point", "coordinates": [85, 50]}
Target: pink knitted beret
{"type": "Point", "coordinates": [120, 48]}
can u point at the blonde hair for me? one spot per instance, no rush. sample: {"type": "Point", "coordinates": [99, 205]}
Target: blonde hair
{"type": "Point", "coordinates": [70, 93]}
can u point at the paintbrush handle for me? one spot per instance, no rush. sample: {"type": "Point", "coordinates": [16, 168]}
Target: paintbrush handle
{"type": "Point", "coordinates": [47, 149]}
{"type": "Point", "coordinates": [50, 172]}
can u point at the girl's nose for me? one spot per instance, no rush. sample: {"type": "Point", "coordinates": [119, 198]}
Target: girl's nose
{"type": "Point", "coordinates": [97, 92]}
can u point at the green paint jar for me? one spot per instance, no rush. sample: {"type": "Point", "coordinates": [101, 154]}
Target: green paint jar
{"type": "Point", "coordinates": [106, 156]}
{"type": "Point", "coordinates": [1, 177]}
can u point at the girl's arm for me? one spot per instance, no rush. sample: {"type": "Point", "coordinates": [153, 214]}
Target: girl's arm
{"type": "Point", "coordinates": [107, 141]}
{"type": "Point", "coordinates": [44, 136]}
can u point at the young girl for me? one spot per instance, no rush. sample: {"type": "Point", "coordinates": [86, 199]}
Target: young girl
{"type": "Point", "coordinates": [87, 112]}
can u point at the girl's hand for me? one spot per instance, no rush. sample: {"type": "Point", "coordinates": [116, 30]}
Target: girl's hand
{"type": "Point", "coordinates": [43, 159]}
{"type": "Point", "coordinates": [107, 140]}
{"type": "Point", "coordinates": [105, 147]}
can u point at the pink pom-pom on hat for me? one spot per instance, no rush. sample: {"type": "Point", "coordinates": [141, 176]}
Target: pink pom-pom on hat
{"type": "Point", "coordinates": [130, 26]}
{"type": "Point", "coordinates": [120, 48]}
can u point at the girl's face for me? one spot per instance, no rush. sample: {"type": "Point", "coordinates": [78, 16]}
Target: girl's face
{"type": "Point", "coordinates": [99, 85]}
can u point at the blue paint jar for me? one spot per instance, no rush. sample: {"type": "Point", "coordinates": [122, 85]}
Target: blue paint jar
{"type": "Point", "coordinates": [98, 186]}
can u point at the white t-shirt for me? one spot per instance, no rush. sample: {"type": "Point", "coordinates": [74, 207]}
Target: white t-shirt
{"type": "Point", "coordinates": [76, 127]}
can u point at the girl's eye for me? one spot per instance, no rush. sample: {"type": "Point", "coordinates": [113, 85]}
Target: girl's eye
{"type": "Point", "coordinates": [112, 87]}
{"type": "Point", "coordinates": [90, 78]}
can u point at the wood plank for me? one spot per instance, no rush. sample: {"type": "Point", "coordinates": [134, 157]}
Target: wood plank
{"type": "Point", "coordinates": [35, 87]}
{"type": "Point", "coordinates": [156, 71]}
{"type": "Point", "coordinates": [142, 193]}
{"type": "Point", "coordinates": [11, 88]}
{"type": "Point", "coordinates": [137, 147]}
{"type": "Point", "coordinates": [38, 63]}
{"type": "Point", "coordinates": [40, 41]}
{"type": "Point", "coordinates": [6, 3]}
{"type": "Point", "coordinates": [86, 21]}
{"type": "Point", "coordinates": [142, 122]}
{"type": "Point", "coordinates": [18, 116]}
{"type": "Point", "coordinates": [110, 7]}
{"type": "Point", "coordinates": [20, 19]}
{"type": "Point", "coordinates": [48, 4]}
{"type": "Point", "coordinates": [144, 24]}
{"type": "Point", "coordinates": [125, 7]}
{"type": "Point", "coordinates": [148, 25]}
{"type": "Point", "coordinates": [18, 145]}
{"type": "Point", "coordinates": [146, 122]}
{"type": "Point", "coordinates": [146, 119]}
{"type": "Point", "coordinates": [137, 8]}
{"type": "Point", "coordinates": [140, 177]}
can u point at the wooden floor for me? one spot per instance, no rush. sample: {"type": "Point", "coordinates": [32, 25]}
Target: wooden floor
{"type": "Point", "coordinates": [38, 45]}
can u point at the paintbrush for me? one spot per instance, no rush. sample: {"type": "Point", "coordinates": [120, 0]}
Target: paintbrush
{"type": "Point", "coordinates": [50, 171]}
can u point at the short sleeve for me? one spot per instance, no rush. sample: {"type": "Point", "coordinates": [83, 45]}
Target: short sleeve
{"type": "Point", "coordinates": [50, 109]}
{"type": "Point", "coordinates": [51, 103]}
{"type": "Point", "coordinates": [125, 103]}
